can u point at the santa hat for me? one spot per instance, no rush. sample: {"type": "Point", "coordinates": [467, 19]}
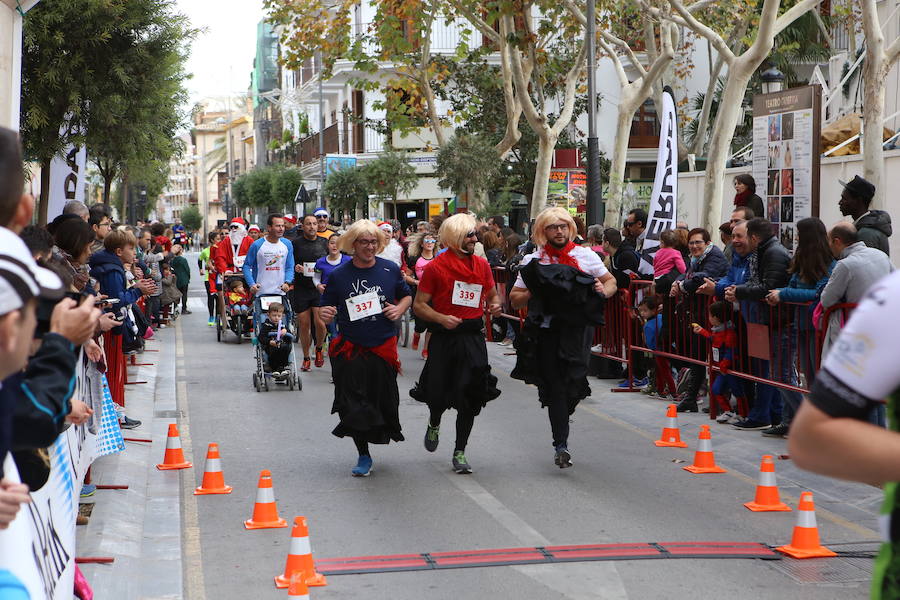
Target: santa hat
{"type": "Point", "coordinates": [239, 221]}
{"type": "Point", "coordinates": [386, 227]}
{"type": "Point", "coordinates": [290, 219]}
{"type": "Point", "coordinates": [321, 212]}
{"type": "Point", "coordinates": [253, 227]}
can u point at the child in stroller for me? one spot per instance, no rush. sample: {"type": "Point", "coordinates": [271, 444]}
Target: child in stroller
{"type": "Point", "coordinates": [276, 340]}
{"type": "Point", "coordinates": [237, 301]}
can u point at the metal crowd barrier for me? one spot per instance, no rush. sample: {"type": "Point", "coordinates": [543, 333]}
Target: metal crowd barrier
{"type": "Point", "coordinates": [777, 345]}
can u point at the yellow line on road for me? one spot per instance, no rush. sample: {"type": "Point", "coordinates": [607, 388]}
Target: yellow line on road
{"type": "Point", "coordinates": [192, 560]}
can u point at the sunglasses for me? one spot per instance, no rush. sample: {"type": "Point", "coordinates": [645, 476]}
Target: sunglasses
{"type": "Point", "coordinates": [430, 241]}
{"type": "Point", "coordinates": [471, 234]}
{"type": "Point", "coordinates": [235, 227]}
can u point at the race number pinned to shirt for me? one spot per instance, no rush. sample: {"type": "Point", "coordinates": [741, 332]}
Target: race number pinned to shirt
{"type": "Point", "coordinates": [309, 269]}
{"type": "Point", "coordinates": [466, 294]}
{"type": "Point", "coordinates": [715, 353]}
{"type": "Point", "coordinates": [363, 305]}
{"type": "Point", "coordinates": [239, 261]}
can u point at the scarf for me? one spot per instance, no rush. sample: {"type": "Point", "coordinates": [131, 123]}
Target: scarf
{"type": "Point", "coordinates": [561, 256]}
{"type": "Point", "coordinates": [387, 351]}
{"type": "Point", "coordinates": [696, 260]}
{"type": "Point", "coordinates": [741, 199]}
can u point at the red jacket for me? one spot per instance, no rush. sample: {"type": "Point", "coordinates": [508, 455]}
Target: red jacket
{"type": "Point", "coordinates": [725, 341]}
{"type": "Point", "coordinates": [224, 258]}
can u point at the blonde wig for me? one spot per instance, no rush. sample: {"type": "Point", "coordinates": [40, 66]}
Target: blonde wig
{"type": "Point", "coordinates": [454, 229]}
{"type": "Point", "coordinates": [548, 216]}
{"type": "Point", "coordinates": [363, 227]}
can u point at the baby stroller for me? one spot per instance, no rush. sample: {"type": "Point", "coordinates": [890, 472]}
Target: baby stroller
{"type": "Point", "coordinates": [241, 325]}
{"type": "Point", "coordinates": [263, 375]}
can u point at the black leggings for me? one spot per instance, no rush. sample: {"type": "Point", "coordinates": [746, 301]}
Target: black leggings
{"type": "Point", "coordinates": [362, 446]}
{"type": "Point", "coordinates": [211, 300]}
{"type": "Point", "coordinates": [465, 420]}
{"type": "Point", "coordinates": [184, 297]}
{"type": "Point", "coordinates": [558, 411]}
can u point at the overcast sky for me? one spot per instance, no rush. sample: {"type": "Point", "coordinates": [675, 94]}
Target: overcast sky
{"type": "Point", "coordinates": [222, 55]}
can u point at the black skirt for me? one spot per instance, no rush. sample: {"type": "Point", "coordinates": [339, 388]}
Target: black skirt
{"type": "Point", "coordinates": [556, 360]}
{"type": "Point", "coordinates": [366, 398]}
{"type": "Point", "coordinates": [456, 374]}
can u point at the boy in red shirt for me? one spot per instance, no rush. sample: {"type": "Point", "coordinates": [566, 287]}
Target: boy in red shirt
{"type": "Point", "coordinates": [724, 343]}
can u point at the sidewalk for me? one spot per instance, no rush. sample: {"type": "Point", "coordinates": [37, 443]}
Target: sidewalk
{"type": "Point", "coordinates": [140, 527]}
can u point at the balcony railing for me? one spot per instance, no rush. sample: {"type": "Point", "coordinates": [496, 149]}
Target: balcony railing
{"type": "Point", "coordinates": [445, 36]}
{"type": "Point", "coordinates": [335, 141]}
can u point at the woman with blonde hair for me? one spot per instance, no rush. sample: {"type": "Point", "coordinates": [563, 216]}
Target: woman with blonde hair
{"type": "Point", "coordinates": [367, 295]}
{"type": "Point", "coordinates": [452, 294]}
{"type": "Point", "coordinates": [554, 348]}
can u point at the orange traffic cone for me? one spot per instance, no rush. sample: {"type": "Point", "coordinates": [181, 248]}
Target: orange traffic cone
{"type": "Point", "coordinates": [704, 460]}
{"type": "Point", "coordinates": [298, 589]}
{"type": "Point", "coordinates": [300, 558]}
{"type": "Point", "coordinates": [213, 480]}
{"type": "Point", "coordinates": [805, 541]}
{"type": "Point", "coordinates": [767, 498]}
{"type": "Point", "coordinates": [174, 458]}
{"type": "Point", "coordinates": [265, 511]}
{"type": "Point", "coordinates": [671, 436]}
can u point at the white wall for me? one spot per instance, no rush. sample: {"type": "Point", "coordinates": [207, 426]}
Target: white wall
{"type": "Point", "coordinates": [690, 192]}
{"type": "Point", "coordinates": [8, 68]}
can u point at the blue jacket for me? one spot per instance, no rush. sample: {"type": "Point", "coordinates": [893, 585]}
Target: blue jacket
{"type": "Point", "coordinates": [250, 267]}
{"type": "Point", "coordinates": [800, 291]}
{"type": "Point", "coordinates": [107, 268]}
{"type": "Point", "coordinates": [737, 275]}
{"type": "Point", "coordinates": [651, 331]}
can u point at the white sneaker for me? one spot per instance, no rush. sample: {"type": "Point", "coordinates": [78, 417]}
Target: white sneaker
{"type": "Point", "coordinates": [725, 417]}
{"type": "Point", "coordinates": [597, 348]}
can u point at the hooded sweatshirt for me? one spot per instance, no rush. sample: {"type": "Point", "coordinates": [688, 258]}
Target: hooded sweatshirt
{"type": "Point", "coordinates": [107, 268]}
{"type": "Point", "coordinates": [874, 230]}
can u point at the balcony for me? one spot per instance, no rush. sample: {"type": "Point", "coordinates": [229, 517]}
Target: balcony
{"type": "Point", "coordinates": [445, 36]}
{"type": "Point", "coordinates": [342, 137]}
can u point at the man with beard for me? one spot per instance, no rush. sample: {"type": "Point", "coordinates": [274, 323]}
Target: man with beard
{"type": "Point", "coordinates": [452, 293]}
{"type": "Point", "coordinates": [555, 347]}
{"type": "Point", "coordinates": [367, 295]}
{"type": "Point", "coordinates": [308, 248]}
{"type": "Point", "coordinates": [233, 248]}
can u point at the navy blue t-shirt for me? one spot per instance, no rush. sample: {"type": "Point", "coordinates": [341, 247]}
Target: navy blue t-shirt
{"type": "Point", "coordinates": [347, 281]}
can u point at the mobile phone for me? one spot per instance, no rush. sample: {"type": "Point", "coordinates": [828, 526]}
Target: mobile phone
{"type": "Point", "coordinates": [112, 300]}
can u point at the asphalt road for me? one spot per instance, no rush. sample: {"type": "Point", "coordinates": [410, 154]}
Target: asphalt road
{"type": "Point", "coordinates": [622, 489]}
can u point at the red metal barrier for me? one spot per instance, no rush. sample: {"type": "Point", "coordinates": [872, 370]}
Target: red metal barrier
{"type": "Point", "coordinates": [777, 345]}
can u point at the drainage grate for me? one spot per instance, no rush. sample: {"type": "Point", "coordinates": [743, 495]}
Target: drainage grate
{"type": "Point", "coordinates": [851, 568]}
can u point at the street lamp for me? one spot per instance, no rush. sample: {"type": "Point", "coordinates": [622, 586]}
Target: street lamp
{"type": "Point", "coordinates": [772, 80]}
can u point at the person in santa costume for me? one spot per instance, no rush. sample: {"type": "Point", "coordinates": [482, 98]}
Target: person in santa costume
{"type": "Point", "coordinates": [233, 247]}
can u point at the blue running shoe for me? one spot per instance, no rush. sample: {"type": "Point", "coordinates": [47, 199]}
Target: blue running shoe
{"type": "Point", "coordinates": [87, 490]}
{"type": "Point", "coordinates": [636, 383]}
{"type": "Point", "coordinates": [363, 467]}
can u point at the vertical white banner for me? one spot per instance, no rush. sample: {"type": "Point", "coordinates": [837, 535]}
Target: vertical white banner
{"type": "Point", "coordinates": [663, 209]}
{"type": "Point", "coordinates": [66, 178]}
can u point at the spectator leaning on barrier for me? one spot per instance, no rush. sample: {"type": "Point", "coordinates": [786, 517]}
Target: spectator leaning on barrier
{"type": "Point", "coordinates": [873, 226]}
{"type": "Point", "coordinates": [707, 262]}
{"type": "Point", "coordinates": [767, 270]}
{"type": "Point", "coordinates": [858, 267]}
{"type": "Point", "coordinates": [810, 269]}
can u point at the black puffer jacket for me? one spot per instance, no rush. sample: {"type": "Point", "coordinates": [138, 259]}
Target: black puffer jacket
{"type": "Point", "coordinates": [771, 272]}
{"type": "Point", "coordinates": [874, 230]}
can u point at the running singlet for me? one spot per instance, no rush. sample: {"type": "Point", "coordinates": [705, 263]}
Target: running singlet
{"type": "Point", "coordinates": [306, 253]}
{"type": "Point", "coordinates": [324, 267]}
{"type": "Point", "coordinates": [421, 263]}
{"type": "Point", "coordinates": [588, 261]}
{"type": "Point", "coordinates": [384, 282]}
{"type": "Point", "coordinates": [860, 372]}
{"type": "Point", "coordinates": [270, 263]}
{"type": "Point", "coordinates": [458, 285]}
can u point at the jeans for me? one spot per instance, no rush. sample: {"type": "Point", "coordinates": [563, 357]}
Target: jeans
{"type": "Point", "coordinates": [783, 347]}
{"type": "Point", "coordinates": [806, 351]}
{"type": "Point", "coordinates": [767, 404]}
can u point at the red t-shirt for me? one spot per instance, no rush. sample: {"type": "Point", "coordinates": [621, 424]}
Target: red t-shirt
{"type": "Point", "coordinates": [440, 280]}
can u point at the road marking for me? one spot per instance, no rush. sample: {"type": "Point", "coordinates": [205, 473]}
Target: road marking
{"type": "Point", "coordinates": [578, 581]}
{"type": "Point", "coordinates": [194, 586]}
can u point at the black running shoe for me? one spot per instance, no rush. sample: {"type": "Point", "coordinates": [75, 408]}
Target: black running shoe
{"type": "Point", "coordinates": [460, 464]}
{"type": "Point", "coordinates": [432, 437]}
{"type": "Point", "coordinates": [563, 459]}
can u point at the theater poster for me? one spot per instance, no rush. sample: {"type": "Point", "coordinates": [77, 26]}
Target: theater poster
{"type": "Point", "coordinates": [786, 131]}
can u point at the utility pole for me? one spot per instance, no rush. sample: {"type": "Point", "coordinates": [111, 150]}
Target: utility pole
{"type": "Point", "coordinates": [594, 186]}
{"type": "Point", "coordinates": [321, 196]}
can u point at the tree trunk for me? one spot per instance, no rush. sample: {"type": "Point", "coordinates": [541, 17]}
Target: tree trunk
{"type": "Point", "coordinates": [45, 192]}
{"type": "Point", "coordinates": [614, 198]}
{"type": "Point", "coordinates": [546, 146]}
{"type": "Point", "coordinates": [107, 186]}
{"type": "Point", "coordinates": [730, 109]}
{"type": "Point", "coordinates": [875, 69]}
